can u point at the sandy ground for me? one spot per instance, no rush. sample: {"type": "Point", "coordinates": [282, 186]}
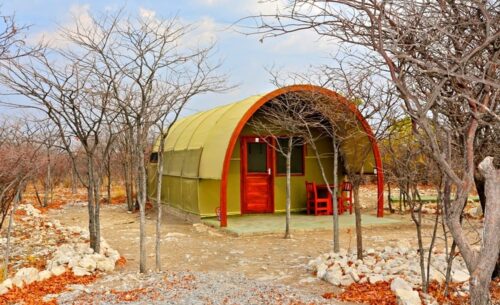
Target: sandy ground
{"type": "Point", "coordinates": [267, 257]}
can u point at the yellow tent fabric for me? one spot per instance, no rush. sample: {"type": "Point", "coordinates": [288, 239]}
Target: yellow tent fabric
{"type": "Point", "coordinates": [197, 144]}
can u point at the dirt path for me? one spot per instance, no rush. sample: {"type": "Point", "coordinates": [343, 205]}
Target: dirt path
{"type": "Point", "coordinates": [268, 257]}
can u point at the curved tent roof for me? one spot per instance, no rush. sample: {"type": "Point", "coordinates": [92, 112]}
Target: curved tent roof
{"type": "Point", "coordinates": [197, 144]}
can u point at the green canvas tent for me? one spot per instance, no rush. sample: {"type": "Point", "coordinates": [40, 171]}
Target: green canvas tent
{"type": "Point", "coordinates": [208, 156]}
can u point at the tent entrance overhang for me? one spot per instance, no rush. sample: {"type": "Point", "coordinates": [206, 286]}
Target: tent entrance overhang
{"type": "Point", "coordinates": [310, 89]}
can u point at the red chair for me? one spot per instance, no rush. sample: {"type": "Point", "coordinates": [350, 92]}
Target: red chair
{"type": "Point", "coordinates": [319, 205]}
{"type": "Point", "coordinates": [345, 199]}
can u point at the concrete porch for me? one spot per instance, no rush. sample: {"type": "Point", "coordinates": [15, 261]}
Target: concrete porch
{"type": "Point", "coordinates": [252, 224]}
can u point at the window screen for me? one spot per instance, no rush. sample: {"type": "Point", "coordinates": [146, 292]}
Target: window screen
{"type": "Point", "coordinates": [153, 158]}
{"type": "Point", "coordinates": [256, 157]}
{"type": "Point", "coordinates": [297, 166]}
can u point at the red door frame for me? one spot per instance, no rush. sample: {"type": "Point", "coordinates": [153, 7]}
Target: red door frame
{"type": "Point", "coordinates": [295, 88]}
{"type": "Point", "coordinates": [243, 173]}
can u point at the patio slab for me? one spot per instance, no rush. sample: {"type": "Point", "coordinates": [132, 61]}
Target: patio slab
{"type": "Point", "coordinates": [275, 223]}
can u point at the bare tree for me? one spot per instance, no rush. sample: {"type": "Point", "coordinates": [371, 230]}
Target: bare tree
{"type": "Point", "coordinates": [416, 44]}
{"type": "Point", "coordinates": [276, 122]}
{"type": "Point", "coordinates": [64, 86]}
{"type": "Point", "coordinates": [19, 153]}
{"type": "Point", "coordinates": [151, 76]}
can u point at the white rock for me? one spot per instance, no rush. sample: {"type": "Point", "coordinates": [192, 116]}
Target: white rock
{"type": "Point", "coordinates": [7, 283]}
{"type": "Point", "coordinates": [363, 269]}
{"type": "Point", "coordinates": [58, 270]}
{"type": "Point", "coordinates": [83, 249]}
{"type": "Point", "coordinates": [377, 269]}
{"type": "Point", "coordinates": [18, 282]}
{"type": "Point", "coordinates": [113, 254]}
{"type": "Point", "coordinates": [106, 265]}
{"type": "Point", "coordinates": [399, 283]}
{"type": "Point", "coordinates": [74, 261]}
{"type": "Point", "coordinates": [428, 299]}
{"type": "Point", "coordinates": [87, 263]}
{"type": "Point", "coordinates": [346, 280]}
{"type": "Point", "coordinates": [3, 289]}
{"type": "Point", "coordinates": [334, 277]}
{"type": "Point", "coordinates": [375, 278]}
{"type": "Point", "coordinates": [308, 280]}
{"type": "Point", "coordinates": [79, 271]}
{"type": "Point", "coordinates": [321, 271]}
{"type": "Point", "coordinates": [314, 262]}
{"type": "Point", "coordinates": [402, 250]}
{"type": "Point", "coordinates": [459, 276]}
{"type": "Point", "coordinates": [466, 286]}
{"type": "Point", "coordinates": [437, 276]}
{"type": "Point", "coordinates": [354, 275]}
{"type": "Point", "coordinates": [363, 280]}
{"type": "Point", "coordinates": [407, 297]}
{"type": "Point", "coordinates": [28, 275]}
{"type": "Point", "coordinates": [44, 275]}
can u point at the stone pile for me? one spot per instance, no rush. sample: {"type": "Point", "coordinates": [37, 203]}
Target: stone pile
{"type": "Point", "coordinates": [397, 264]}
{"type": "Point", "coordinates": [74, 253]}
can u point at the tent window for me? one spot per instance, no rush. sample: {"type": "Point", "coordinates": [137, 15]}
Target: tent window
{"type": "Point", "coordinates": [297, 164]}
{"type": "Point", "coordinates": [153, 158]}
{"type": "Point", "coordinates": [257, 157]}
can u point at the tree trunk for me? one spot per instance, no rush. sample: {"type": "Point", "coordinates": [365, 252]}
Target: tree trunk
{"type": "Point", "coordinates": [288, 186]}
{"type": "Point", "coordinates": [93, 205]}
{"type": "Point", "coordinates": [357, 214]}
{"type": "Point", "coordinates": [336, 229]}
{"type": "Point", "coordinates": [9, 230]}
{"type": "Point", "coordinates": [97, 214]}
{"type": "Point", "coordinates": [108, 174]}
{"type": "Point", "coordinates": [48, 181]}
{"type": "Point", "coordinates": [389, 202]}
{"type": "Point", "coordinates": [141, 199]}
{"type": "Point", "coordinates": [159, 176]}
{"type": "Point", "coordinates": [486, 259]}
{"type": "Point", "coordinates": [416, 215]}
{"type": "Point", "coordinates": [434, 233]}
{"type": "Point", "coordinates": [73, 180]}
{"type": "Point", "coordinates": [127, 169]}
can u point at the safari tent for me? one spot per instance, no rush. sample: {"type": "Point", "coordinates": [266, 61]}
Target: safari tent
{"type": "Point", "coordinates": [216, 165]}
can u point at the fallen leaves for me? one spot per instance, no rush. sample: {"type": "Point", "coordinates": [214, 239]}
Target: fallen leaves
{"type": "Point", "coordinates": [130, 295]}
{"type": "Point", "coordinates": [374, 294]}
{"type": "Point", "coordinates": [33, 293]}
{"type": "Point", "coordinates": [122, 261]}
{"type": "Point", "coordinates": [20, 213]}
{"type": "Point", "coordinates": [380, 293]}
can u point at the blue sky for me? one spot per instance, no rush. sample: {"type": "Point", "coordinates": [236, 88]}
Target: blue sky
{"type": "Point", "coordinates": [245, 59]}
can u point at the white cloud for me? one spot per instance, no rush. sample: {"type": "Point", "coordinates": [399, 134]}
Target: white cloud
{"type": "Point", "coordinates": [79, 12]}
{"type": "Point", "coordinates": [145, 13]}
{"type": "Point", "coordinates": [244, 6]}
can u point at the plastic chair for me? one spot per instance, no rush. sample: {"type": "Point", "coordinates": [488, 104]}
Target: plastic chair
{"type": "Point", "coordinates": [345, 199]}
{"type": "Point", "coordinates": [319, 205]}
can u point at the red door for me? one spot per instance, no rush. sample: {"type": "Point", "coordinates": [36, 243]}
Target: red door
{"type": "Point", "coordinates": [256, 176]}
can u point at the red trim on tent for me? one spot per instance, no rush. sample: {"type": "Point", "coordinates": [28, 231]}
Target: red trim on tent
{"type": "Point", "coordinates": [296, 88]}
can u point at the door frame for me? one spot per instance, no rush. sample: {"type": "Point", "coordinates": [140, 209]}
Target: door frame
{"type": "Point", "coordinates": [243, 172]}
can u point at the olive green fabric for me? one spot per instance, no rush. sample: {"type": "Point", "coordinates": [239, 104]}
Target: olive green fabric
{"type": "Point", "coordinates": [196, 146]}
